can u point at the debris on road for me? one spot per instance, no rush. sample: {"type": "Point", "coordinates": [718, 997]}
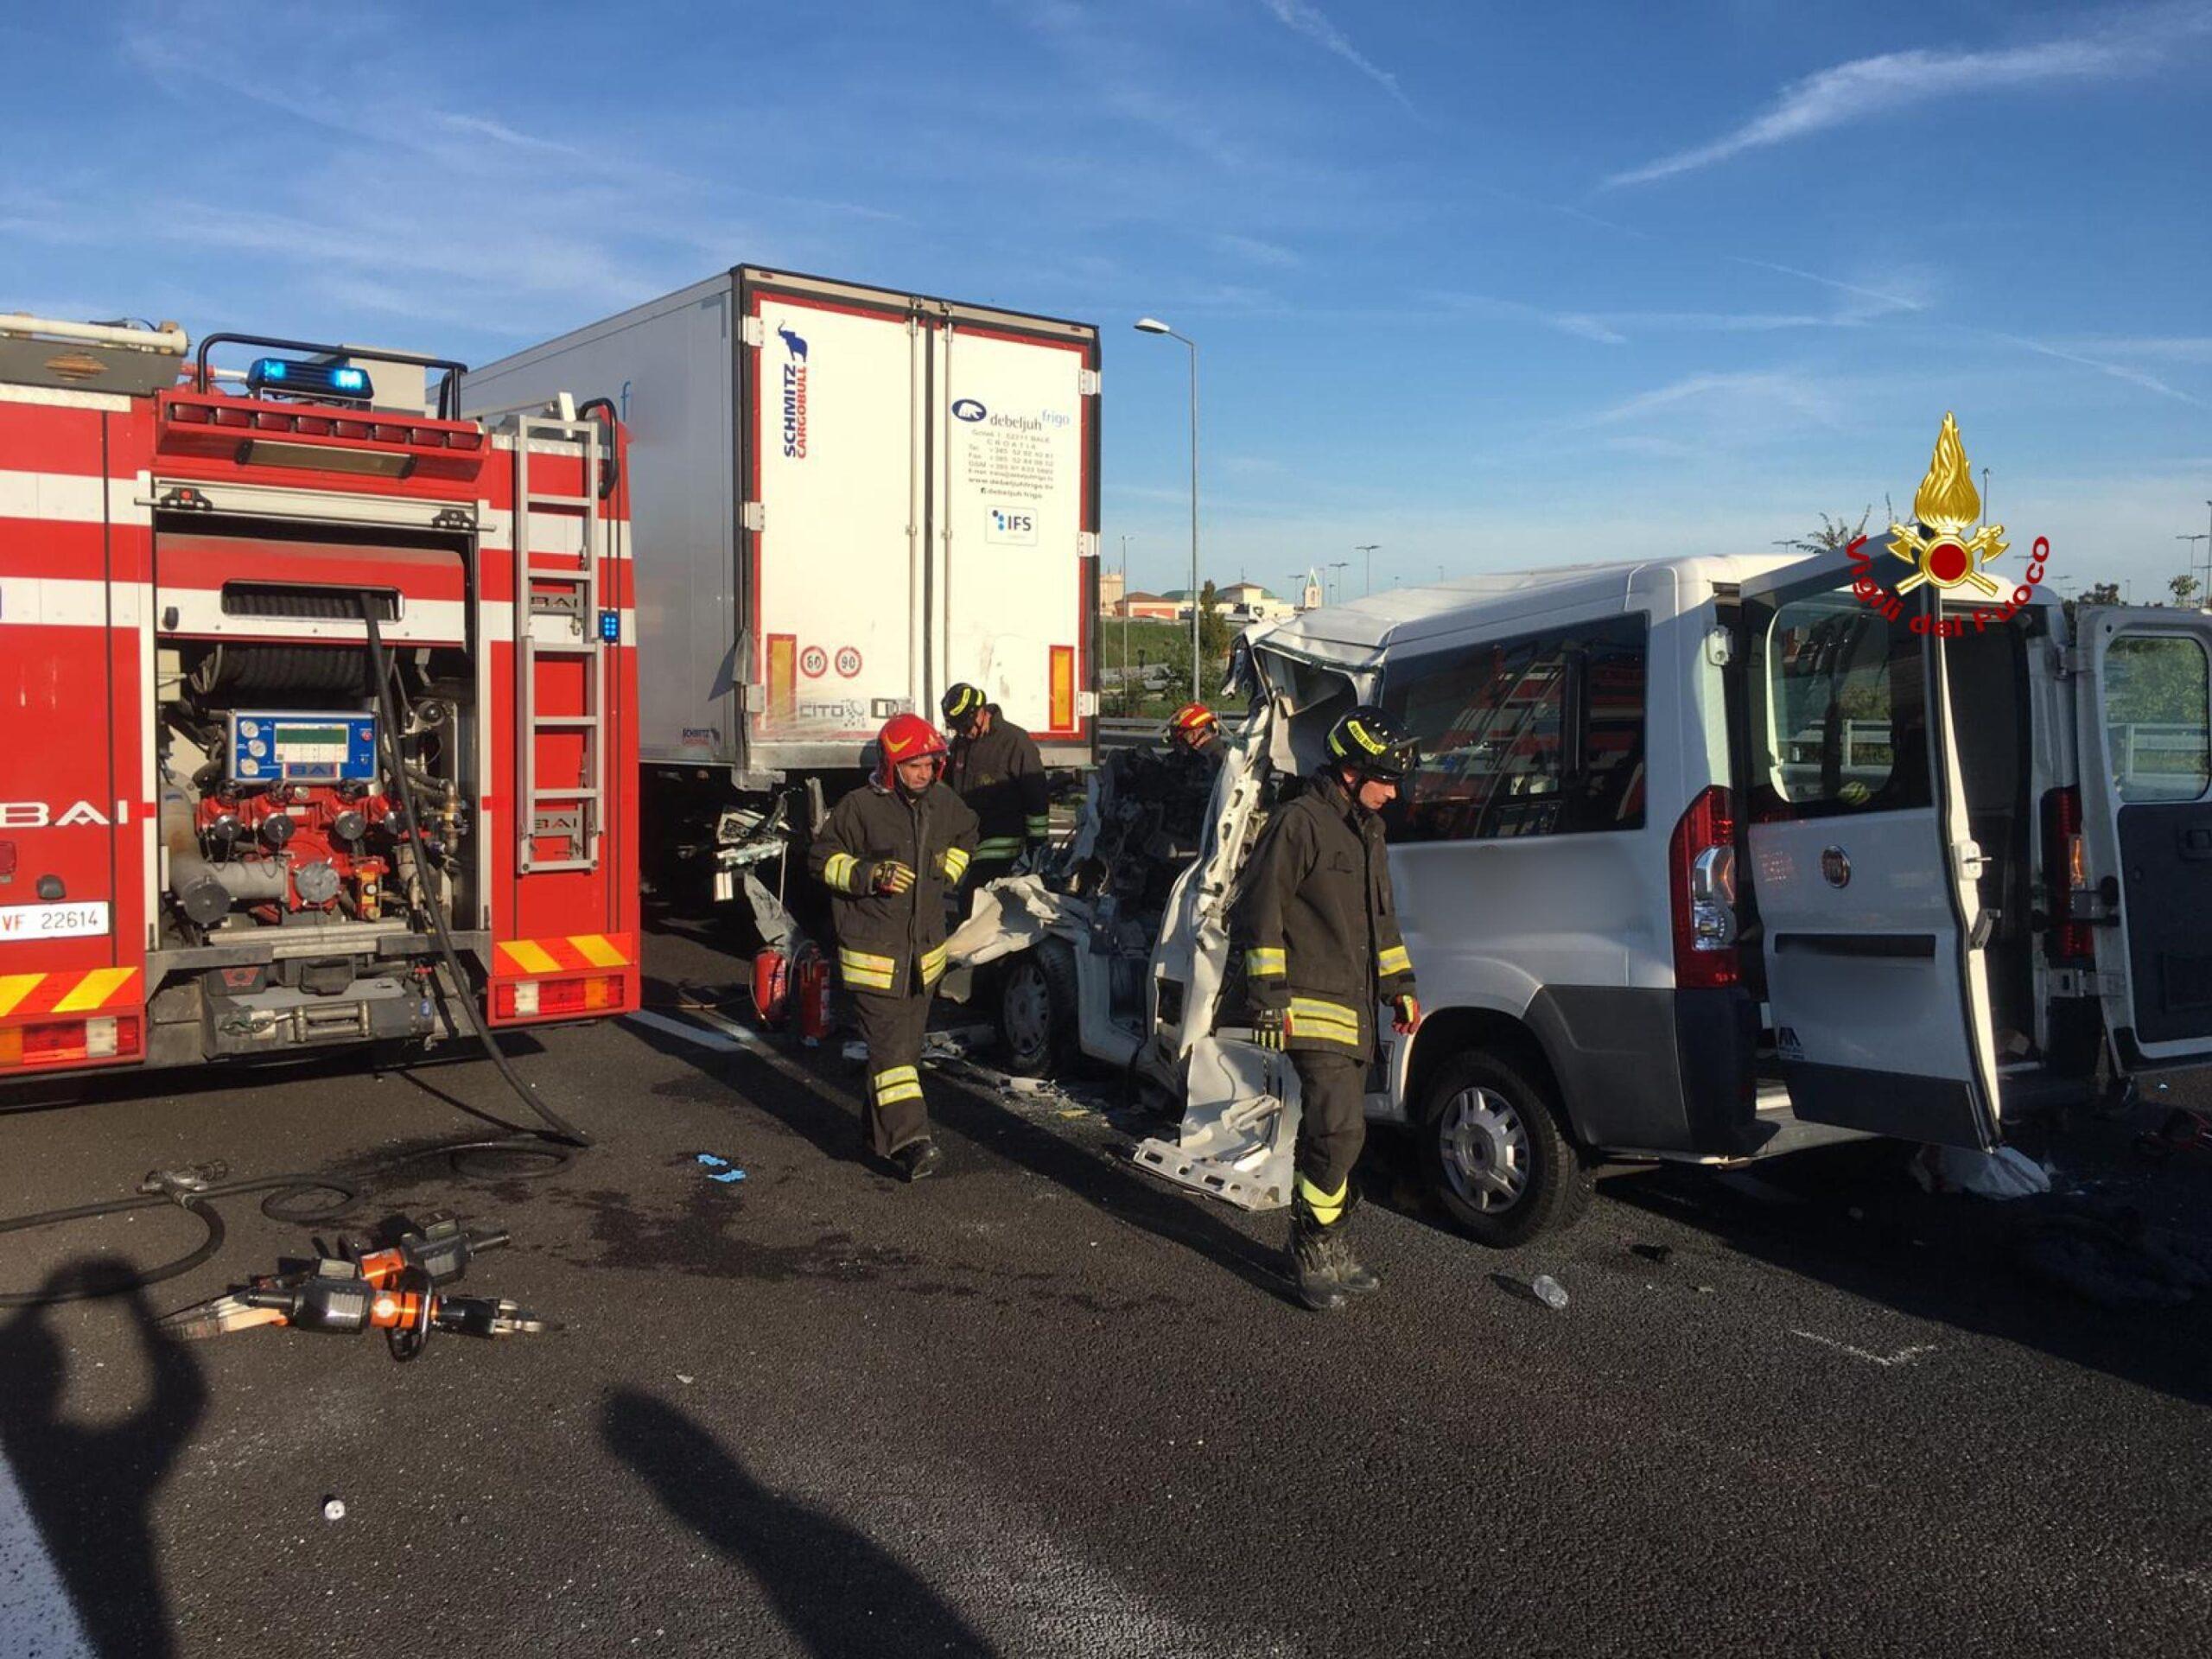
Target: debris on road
{"type": "Point", "coordinates": [2005, 1174]}
{"type": "Point", "coordinates": [333, 1509]}
{"type": "Point", "coordinates": [2183, 1131]}
{"type": "Point", "coordinates": [1543, 1289]}
{"type": "Point", "coordinates": [720, 1169]}
{"type": "Point", "coordinates": [2107, 1253]}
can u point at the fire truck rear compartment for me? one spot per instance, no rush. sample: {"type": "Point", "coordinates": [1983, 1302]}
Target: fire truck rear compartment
{"type": "Point", "coordinates": [294, 888]}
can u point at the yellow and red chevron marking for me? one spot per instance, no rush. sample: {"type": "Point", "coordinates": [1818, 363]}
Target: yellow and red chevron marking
{"type": "Point", "coordinates": [571, 953]}
{"type": "Point", "coordinates": [70, 993]}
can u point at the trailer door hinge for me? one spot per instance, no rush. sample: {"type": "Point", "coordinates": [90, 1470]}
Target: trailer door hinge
{"type": "Point", "coordinates": [754, 517]}
{"type": "Point", "coordinates": [2070, 661]}
{"type": "Point", "coordinates": [1086, 705]}
{"type": "Point", "coordinates": [753, 331]}
{"type": "Point", "coordinates": [2084, 981]}
{"type": "Point", "coordinates": [1086, 383]}
{"type": "Point", "coordinates": [1086, 543]}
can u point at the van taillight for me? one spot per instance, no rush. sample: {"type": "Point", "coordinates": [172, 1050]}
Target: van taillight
{"type": "Point", "coordinates": [2069, 942]}
{"type": "Point", "coordinates": [1701, 874]}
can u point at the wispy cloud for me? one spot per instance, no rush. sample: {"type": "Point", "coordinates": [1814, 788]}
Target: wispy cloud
{"type": "Point", "coordinates": [1260, 253]}
{"type": "Point", "coordinates": [1313, 23]}
{"type": "Point", "coordinates": [2133, 377]}
{"type": "Point", "coordinates": [1762, 403]}
{"type": "Point", "coordinates": [1581, 325]}
{"type": "Point", "coordinates": [2170, 349]}
{"type": "Point", "coordinates": [2134, 43]}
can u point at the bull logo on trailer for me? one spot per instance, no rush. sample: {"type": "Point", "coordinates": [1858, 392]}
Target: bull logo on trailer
{"type": "Point", "coordinates": [794, 393]}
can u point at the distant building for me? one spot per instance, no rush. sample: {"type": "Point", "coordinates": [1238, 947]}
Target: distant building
{"type": "Point", "coordinates": [1110, 585]}
{"type": "Point", "coordinates": [1247, 601]}
{"type": "Point", "coordinates": [1150, 608]}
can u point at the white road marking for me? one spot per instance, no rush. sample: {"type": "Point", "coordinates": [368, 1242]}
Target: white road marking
{"type": "Point", "coordinates": [719, 1034]}
{"type": "Point", "coordinates": [35, 1617]}
{"type": "Point", "coordinates": [684, 1029]}
{"type": "Point", "coordinates": [1903, 1357]}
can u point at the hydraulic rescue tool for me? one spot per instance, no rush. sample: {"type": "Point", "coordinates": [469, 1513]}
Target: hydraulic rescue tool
{"type": "Point", "coordinates": [391, 1285]}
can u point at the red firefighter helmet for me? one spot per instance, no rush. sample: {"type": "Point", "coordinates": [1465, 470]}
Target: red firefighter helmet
{"type": "Point", "coordinates": [1191, 721]}
{"type": "Point", "coordinates": [906, 737]}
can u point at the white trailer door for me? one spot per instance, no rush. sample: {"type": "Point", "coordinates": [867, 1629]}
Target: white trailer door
{"type": "Point", "coordinates": [1861, 863]}
{"type": "Point", "coordinates": [837, 592]}
{"type": "Point", "coordinates": [2143, 707]}
{"type": "Point", "coordinates": [1011, 454]}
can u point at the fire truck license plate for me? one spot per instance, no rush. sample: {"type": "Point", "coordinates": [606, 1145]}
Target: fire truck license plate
{"type": "Point", "coordinates": [50, 921]}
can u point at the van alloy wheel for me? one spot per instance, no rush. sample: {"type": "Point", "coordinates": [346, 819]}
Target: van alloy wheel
{"type": "Point", "coordinates": [1497, 1154]}
{"type": "Point", "coordinates": [1485, 1150]}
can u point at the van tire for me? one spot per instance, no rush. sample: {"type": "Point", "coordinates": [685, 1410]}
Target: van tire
{"type": "Point", "coordinates": [1038, 1016]}
{"type": "Point", "coordinates": [1479, 1109]}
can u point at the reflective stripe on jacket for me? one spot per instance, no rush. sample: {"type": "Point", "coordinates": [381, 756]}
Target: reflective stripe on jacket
{"type": "Point", "coordinates": [885, 941]}
{"type": "Point", "coordinates": [1314, 923]}
{"type": "Point", "coordinates": [1001, 776]}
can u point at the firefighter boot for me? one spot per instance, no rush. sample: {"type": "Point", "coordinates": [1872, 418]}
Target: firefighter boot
{"type": "Point", "coordinates": [919, 1160]}
{"type": "Point", "coordinates": [1344, 1268]}
{"type": "Point", "coordinates": [1349, 1272]}
{"type": "Point", "coordinates": [1310, 1259]}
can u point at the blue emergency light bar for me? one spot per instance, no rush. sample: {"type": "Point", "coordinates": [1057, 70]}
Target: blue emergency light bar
{"type": "Point", "coordinates": [337, 382]}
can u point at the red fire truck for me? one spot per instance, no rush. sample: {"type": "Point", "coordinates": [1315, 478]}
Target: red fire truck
{"type": "Point", "coordinates": [317, 703]}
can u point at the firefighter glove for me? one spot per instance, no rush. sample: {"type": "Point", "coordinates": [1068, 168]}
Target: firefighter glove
{"type": "Point", "coordinates": [892, 876]}
{"type": "Point", "coordinates": [1406, 1009]}
{"type": "Point", "coordinates": [1267, 1028]}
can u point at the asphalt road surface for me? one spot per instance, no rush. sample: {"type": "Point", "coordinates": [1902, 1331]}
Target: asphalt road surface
{"type": "Point", "coordinates": [1047, 1406]}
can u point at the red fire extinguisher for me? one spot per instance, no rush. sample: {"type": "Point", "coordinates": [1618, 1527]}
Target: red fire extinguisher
{"type": "Point", "coordinates": [771, 985]}
{"type": "Point", "coordinates": [811, 978]}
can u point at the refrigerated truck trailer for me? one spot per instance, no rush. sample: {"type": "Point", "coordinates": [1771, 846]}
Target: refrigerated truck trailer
{"type": "Point", "coordinates": [845, 499]}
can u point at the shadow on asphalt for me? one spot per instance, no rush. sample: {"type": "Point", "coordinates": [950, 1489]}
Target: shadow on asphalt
{"type": "Point", "coordinates": [1852, 1218]}
{"type": "Point", "coordinates": [91, 1487]}
{"type": "Point", "coordinates": [838, 1591]}
{"type": "Point", "coordinates": [985, 1121]}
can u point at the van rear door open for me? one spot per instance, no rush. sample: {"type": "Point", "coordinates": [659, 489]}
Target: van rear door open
{"type": "Point", "coordinates": [1860, 862]}
{"type": "Point", "coordinates": [2143, 699]}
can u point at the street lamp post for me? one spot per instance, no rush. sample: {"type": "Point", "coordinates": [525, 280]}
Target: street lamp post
{"type": "Point", "coordinates": [1339, 565]}
{"type": "Point", "coordinates": [1154, 326]}
{"type": "Point", "coordinates": [1125, 627]}
{"type": "Point", "coordinates": [1368, 548]}
{"type": "Point", "coordinates": [2189, 560]}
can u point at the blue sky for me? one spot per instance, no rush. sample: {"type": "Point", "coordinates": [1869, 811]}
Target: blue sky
{"type": "Point", "coordinates": [1489, 284]}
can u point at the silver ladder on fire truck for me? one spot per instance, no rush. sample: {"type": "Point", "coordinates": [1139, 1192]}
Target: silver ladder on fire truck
{"type": "Point", "coordinates": [567, 813]}
{"type": "Point", "coordinates": [245, 613]}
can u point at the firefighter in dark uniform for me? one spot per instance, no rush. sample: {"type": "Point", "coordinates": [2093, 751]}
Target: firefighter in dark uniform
{"type": "Point", "coordinates": [890, 851]}
{"type": "Point", "coordinates": [997, 769]}
{"type": "Point", "coordinates": [1317, 926]}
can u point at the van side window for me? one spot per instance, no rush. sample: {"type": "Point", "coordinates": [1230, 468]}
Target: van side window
{"type": "Point", "coordinates": [2156, 702]}
{"type": "Point", "coordinates": [1541, 735]}
{"type": "Point", "coordinates": [1838, 708]}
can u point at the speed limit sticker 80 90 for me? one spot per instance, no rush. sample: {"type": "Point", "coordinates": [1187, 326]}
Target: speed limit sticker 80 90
{"type": "Point", "coordinates": [814, 662]}
{"type": "Point", "coordinates": [52, 921]}
{"type": "Point", "coordinates": [848, 661]}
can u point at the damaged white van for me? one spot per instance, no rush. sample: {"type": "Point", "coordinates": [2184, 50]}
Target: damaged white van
{"type": "Point", "coordinates": [1705, 857]}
